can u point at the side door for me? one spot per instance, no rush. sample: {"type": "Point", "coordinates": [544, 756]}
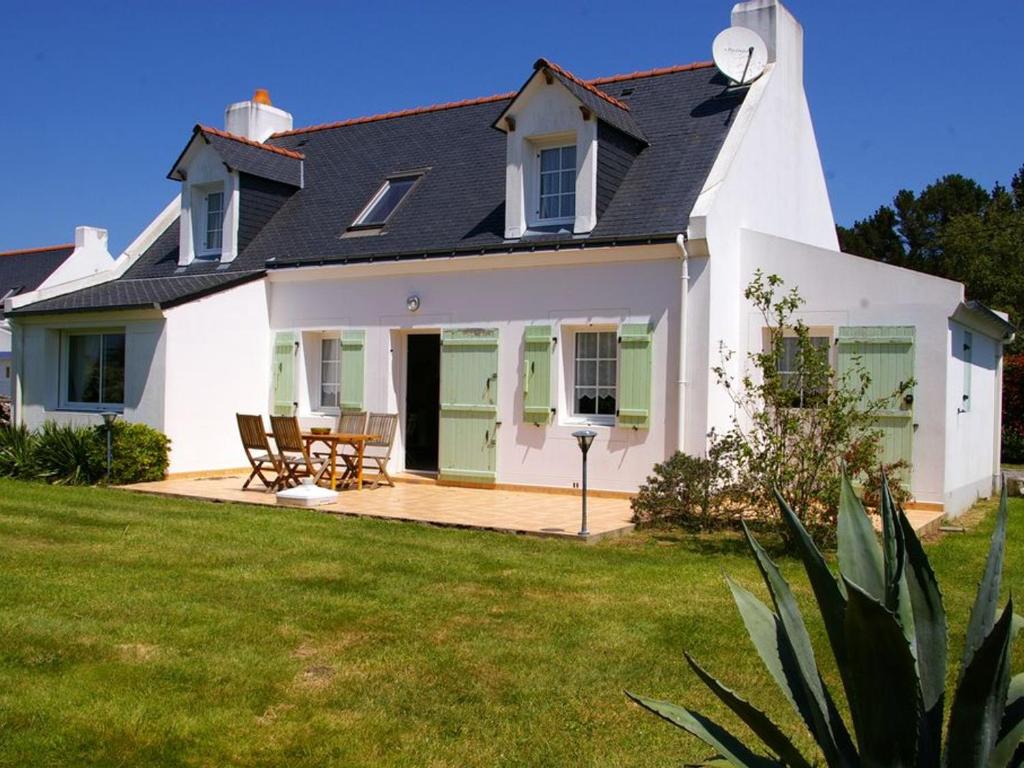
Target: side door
{"type": "Point", "coordinates": [469, 411]}
{"type": "Point", "coordinates": [886, 352]}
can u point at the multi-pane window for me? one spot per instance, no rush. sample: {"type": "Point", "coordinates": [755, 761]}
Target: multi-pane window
{"type": "Point", "coordinates": [214, 221]}
{"type": "Point", "coordinates": [383, 204]}
{"type": "Point", "coordinates": [95, 369]}
{"type": "Point", "coordinates": [594, 386]}
{"type": "Point", "coordinates": [558, 182]}
{"type": "Point", "coordinates": [793, 370]}
{"type": "Point", "coordinates": [330, 372]}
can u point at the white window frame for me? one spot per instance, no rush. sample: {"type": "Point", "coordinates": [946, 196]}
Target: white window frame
{"type": "Point", "coordinates": [533, 180]}
{"type": "Point", "coordinates": [589, 419]}
{"type": "Point", "coordinates": [321, 338]}
{"type": "Point", "coordinates": [813, 332]}
{"type": "Point", "coordinates": [65, 361]}
{"type": "Point", "coordinates": [201, 229]}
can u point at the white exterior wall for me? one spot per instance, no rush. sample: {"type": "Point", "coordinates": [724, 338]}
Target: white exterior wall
{"type": "Point", "coordinates": [970, 448]}
{"type": "Point", "coordinates": [627, 285]}
{"type": "Point", "coordinates": [218, 364]}
{"type": "Point", "coordinates": [37, 354]}
{"type": "Point", "coordinates": [840, 289]}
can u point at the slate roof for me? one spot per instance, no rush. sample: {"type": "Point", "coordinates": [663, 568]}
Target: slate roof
{"type": "Point", "coordinates": [458, 207]}
{"type": "Point", "coordinates": [159, 293]}
{"type": "Point", "coordinates": [241, 154]}
{"type": "Point", "coordinates": [25, 270]}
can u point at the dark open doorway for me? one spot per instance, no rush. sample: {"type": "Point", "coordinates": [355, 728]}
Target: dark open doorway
{"type": "Point", "coordinates": [422, 401]}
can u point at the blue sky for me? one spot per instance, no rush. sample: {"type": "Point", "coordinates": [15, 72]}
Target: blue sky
{"type": "Point", "coordinates": [99, 97]}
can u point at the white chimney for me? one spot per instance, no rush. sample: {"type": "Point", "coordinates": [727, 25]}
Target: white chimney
{"type": "Point", "coordinates": [90, 257]}
{"type": "Point", "coordinates": [778, 28]}
{"type": "Point", "coordinates": [257, 118]}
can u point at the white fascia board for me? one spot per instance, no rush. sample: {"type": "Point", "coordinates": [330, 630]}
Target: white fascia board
{"type": "Point", "coordinates": [697, 228]}
{"type": "Point", "coordinates": [120, 265]}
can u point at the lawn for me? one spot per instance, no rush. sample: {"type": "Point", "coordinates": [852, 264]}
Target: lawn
{"type": "Point", "coordinates": [142, 631]}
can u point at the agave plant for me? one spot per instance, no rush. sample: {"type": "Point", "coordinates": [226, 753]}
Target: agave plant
{"type": "Point", "coordinates": [886, 628]}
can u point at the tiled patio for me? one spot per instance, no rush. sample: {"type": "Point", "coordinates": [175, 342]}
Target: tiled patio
{"type": "Point", "coordinates": [526, 512]}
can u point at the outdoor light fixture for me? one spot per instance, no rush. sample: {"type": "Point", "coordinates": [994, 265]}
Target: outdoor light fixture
{"type": "Point", "coordinates": [412, 303]}
{"type": "Point", "coordinates": [109, 417]}
{"type": "Point", "coordinates": [584, 437]}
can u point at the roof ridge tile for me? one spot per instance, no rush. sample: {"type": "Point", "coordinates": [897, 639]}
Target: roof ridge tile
{"type": "Point", "coordinates": [243, 140]}
{"type": "Point", "coordinates": [542, 62]}
{"type": "Point", "coordinates": [496, 97]}
{"type": "Point", "coordinates": [43, 249]}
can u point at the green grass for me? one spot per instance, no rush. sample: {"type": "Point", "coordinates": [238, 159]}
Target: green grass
{"type": "Point", "coordinates": [143, 631]}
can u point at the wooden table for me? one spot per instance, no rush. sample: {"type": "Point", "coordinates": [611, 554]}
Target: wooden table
{"type": "Point", "coordinates": [332, 440]}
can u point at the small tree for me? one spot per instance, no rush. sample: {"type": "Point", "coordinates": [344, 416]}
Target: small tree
{"type": "Point", "coordinates": [796, 425]}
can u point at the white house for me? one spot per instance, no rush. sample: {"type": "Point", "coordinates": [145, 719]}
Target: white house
{"type": "Point", "coordinates": [500, 271]}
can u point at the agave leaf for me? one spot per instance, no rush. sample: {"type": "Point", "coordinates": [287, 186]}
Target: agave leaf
{"type": "Point", "coordinates": [860, 556]}
{"type": "Point", "coordinates": [1011, 731]}
{"type": "Point", "coordinates": [755, 719]}
{"type": "Point", "coordinates": [892, 548]}
{"type": "Point", "coordinates": [930, 630]}
{"type": "Point", "coordinates": [708, 731]}
{"type": "Point", "coordinates": [792, 648]}
{"type": "Point", "coordinates": [976, 717]}
{"type": "Point", "coordinates": [884, 698]}
{"type": "Point", "coordinates": [983, 613]}
{"type": "Point", "coordinates": [827, 591]}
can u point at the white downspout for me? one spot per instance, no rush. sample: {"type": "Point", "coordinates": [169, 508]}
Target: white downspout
{"type": "Point", "coordinates": [684, 291]}
{"type": "Point", "coordinates": [997, 448]}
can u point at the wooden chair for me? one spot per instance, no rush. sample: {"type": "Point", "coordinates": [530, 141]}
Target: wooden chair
{"type": "Point", "coordinates": [350, 424]}
{"type": "Point", "coordinates": [257, 450]}
{"type": "Point", "coordinates": [378, 450]}
{"type": "Point", "coordinates": [292, 450]}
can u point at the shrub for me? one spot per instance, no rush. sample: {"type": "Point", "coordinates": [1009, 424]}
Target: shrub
{"type": "Point", "coordinates": [5, 411]}
{"type": "Point", "coordinates": [1013, 445]}
{"type": "Point", "coordinates": [65, 454]}
{"type": "Point", "coordinates": [796, 431]}
{"type": "Point", "coordinates": [1013, 409]}
{"type": "Point", "coordinates": [688, 491]}
{"type": "Point", "coordinates": [70, 454]}
{"type": "Point", "coordinates": [140, 453]}
{"type": "Point", "coordinates": [886, 627]}
{"type": "Point", "coordinates": [17, 452]}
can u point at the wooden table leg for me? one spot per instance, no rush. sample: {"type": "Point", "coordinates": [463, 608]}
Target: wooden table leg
{"type": "Point", "coordinates": [334, 464]}
{"type": "Point", "coordinates": [359, 471]}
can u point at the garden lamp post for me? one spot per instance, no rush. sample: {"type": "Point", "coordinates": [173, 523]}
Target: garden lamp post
{"type": "Point", "coordinates": [584, 437]}
{"type": "Point", "coordinates": [109, 417]}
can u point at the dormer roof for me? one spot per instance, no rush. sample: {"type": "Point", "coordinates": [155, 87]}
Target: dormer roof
{"type": "Point", "coordinates": [592, 99]}
{"type": "Point", "coordinates": [241, 154]}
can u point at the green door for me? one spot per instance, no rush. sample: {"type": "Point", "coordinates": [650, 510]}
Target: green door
{"type": "Point", "coordinates": [887, 354]}
{"type": "Point", "coordinates": [469, 411]}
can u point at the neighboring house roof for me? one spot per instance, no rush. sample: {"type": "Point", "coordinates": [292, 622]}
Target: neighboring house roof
{"type": "Point", "coordinates": [458, 207]}
{"type": "Point", "coordinates": [25, 270]}
{"type": "Point", "coordinates": [158, 293]}
{"type": "Point", "coordinates": [241, 154]}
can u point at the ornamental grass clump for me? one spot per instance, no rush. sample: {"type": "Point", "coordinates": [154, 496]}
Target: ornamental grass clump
{"type": "Point", "coordinates": [887, 629]}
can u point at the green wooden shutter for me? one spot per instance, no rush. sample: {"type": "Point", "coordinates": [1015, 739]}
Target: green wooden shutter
{"type": "Point", "coordinates": [537, 345]}
{"type": "Point", "coordinates": [634, 395]}
{"type": "Point", "coordinates": [469, 411]}
{"type": "Point", "coordinates": [353, 354]}
{"type": "Point", "coordinates": [886, 353]}
{"type": "Point", "coordinates": [968, 365]}
{"type": "Point", "coordinates": [282, 373]}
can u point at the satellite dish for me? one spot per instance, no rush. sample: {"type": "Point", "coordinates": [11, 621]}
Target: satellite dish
{"type": "Point", "coordinates": [740, 54]}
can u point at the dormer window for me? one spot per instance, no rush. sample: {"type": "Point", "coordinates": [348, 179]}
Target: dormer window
{"type": "Point", "coordinates": [385, 201]}
{"type": "Point", "coordinates": [558, 183]}
{"type": "Point", "coordinates": [214, 222]}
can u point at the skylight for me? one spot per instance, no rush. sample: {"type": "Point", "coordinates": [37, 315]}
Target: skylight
{"type": "Point", "coordinates": [385, 201]}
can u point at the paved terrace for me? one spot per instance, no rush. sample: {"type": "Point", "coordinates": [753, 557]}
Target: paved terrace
{"type": "Point", "coordinates": [525, 512]}
{"type": "Point", "coordinates": [419, 500]}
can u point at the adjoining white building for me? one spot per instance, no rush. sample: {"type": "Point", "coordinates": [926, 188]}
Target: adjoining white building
{"type": "Point", "coordinates": [32, 269]}
{"type": "Point", "coordinates": [502, 271]}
